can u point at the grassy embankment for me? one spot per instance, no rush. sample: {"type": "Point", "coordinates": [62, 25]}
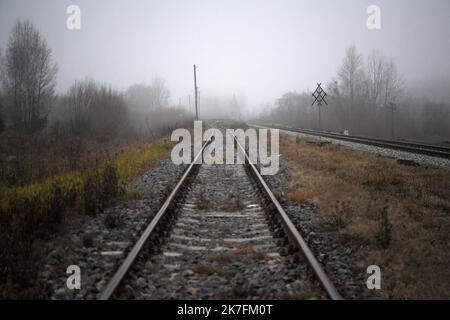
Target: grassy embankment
{"type": "Point", "coordinates": [402, 213]}
{"type": "Point", "coordinates": [37, 211]}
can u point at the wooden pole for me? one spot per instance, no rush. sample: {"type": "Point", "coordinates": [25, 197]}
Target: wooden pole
{"type": "Point", "coordinates": [195, 90]}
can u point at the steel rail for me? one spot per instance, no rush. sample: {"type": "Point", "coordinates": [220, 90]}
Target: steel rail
{"type": "Point", "coordinates": [131, 257]}
{"type": "Point", "coordinates": [426, 149]}
{"type": "Point", "coordinates": [293, 233]}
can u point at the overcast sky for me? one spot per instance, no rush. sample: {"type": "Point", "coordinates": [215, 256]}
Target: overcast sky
{"type": "Point", "coordinates": [257, 48]}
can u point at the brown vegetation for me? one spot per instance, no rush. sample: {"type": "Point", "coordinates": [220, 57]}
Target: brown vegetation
{"type": "Point", "coordinates": [369, 97]}
{"type": "Point", "coordinates": [67, 155]}
{"type": "Point", "coordinates": [37, 211]}
{"type": "Point", "coordinates": [400, 212]}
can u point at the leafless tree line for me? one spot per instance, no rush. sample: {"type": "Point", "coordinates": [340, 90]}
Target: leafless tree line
{"type": "Point", "coordinates": [150, 110]}
{"type": "Point", "coordinates": [91, 109]}
{"type": "Point", "coordinates": [369, 97]}
{"type": "Point", "coordinates": [28, 102]}
{"type": "Point", "coordinates": [375, 84]}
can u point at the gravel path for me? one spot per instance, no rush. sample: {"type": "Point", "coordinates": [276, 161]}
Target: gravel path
{"type": "Point", "coordinates": [97, 245]}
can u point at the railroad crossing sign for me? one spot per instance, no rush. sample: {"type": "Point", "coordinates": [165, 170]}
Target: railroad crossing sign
{"type": "Point", "coordinates": [319, 96]}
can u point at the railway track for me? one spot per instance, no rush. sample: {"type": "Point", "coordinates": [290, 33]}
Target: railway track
{"type": "Point", "coordinates": [426, 149]}
{"type": "Point", "coordinates": [221, 234]}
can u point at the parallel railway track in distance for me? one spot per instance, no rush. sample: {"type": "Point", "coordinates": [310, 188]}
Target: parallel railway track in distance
{"type": "Point", "coordinates": [417, 148]}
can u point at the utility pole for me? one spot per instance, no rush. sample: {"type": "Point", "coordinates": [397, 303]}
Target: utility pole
{"type": "Point", "coordinates": [320, 125]}
{"type": "Point", "coordinates": [199, 103]}
{"type": "Point", "coordinates": [195, 90]}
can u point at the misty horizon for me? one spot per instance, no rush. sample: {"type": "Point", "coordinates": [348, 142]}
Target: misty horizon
{"type": "Point", "coordinates": [255, 50]}
{"type": "Point", "coordinates": [208, 150]}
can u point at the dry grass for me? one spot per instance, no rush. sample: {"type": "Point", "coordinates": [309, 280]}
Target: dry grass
{"type": "Point", "coordinates": [350, 188]}
{"type": "Point", "coordinates": [29, 159]}
{"type": "Point", "coordinates": [40, 210]}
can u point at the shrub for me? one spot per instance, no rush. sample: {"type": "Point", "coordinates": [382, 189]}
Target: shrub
{"type": "Point", "coordinates": [18, 263]}
{"type": "Point", "coordinates": [57, 202]}
{"type": "Point", "coordinates": [37, 210]}
{"type": "Point", "coordinates": [93, 194]}
{"type": "Point", "coordinates": [340, 213]}
{"type": "Point", "coordinates": [110, 181]}
{"type": "Point", "coordinates": [384, 235]}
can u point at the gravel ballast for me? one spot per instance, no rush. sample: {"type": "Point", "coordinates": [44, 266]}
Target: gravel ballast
{"type": "Point", "coordinates": [390, 153]}
{"type": "Point", "coordinates": [343, 264]}
{"type": "Point", "coordinates": [99, 243]}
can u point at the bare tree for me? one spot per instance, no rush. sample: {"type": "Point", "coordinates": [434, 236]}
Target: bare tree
{"type": "Point", "coordinates": [385, 107]}
{"type": "Point", "coordinates": [29, 77]}
{"type": "Point", "coordinates": [350, 74]}
{"type": "Point", "coordinates": [376, 65]}
{"type": "Point", "coordinates": [79, 101]}
{"type": "Point", "coordinates": [393, 84]}
{"type": "Point", "coordinates": [148, 98]}
{"type": "Point", "coordinates": [149, 106]}
{"type": "Point", "coordinates": [139, 97]}
{"type": "Point", "coordinates": [160, 94]}
{"type": "Point", "coordinates": [383, 82]}
{"type": "Point", "coordinates": [109, 113]}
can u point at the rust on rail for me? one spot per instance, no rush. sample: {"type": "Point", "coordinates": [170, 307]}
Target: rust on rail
{"type": "Point", "coordinates": [131, 257]}
{"type": "Point", "coordinates": [292, 232]}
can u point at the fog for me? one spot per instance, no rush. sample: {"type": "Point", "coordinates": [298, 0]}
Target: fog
{"type": "Point", "coordinates": [257, 50]}
{"type": "Point", "coordinates": [92, 93]}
